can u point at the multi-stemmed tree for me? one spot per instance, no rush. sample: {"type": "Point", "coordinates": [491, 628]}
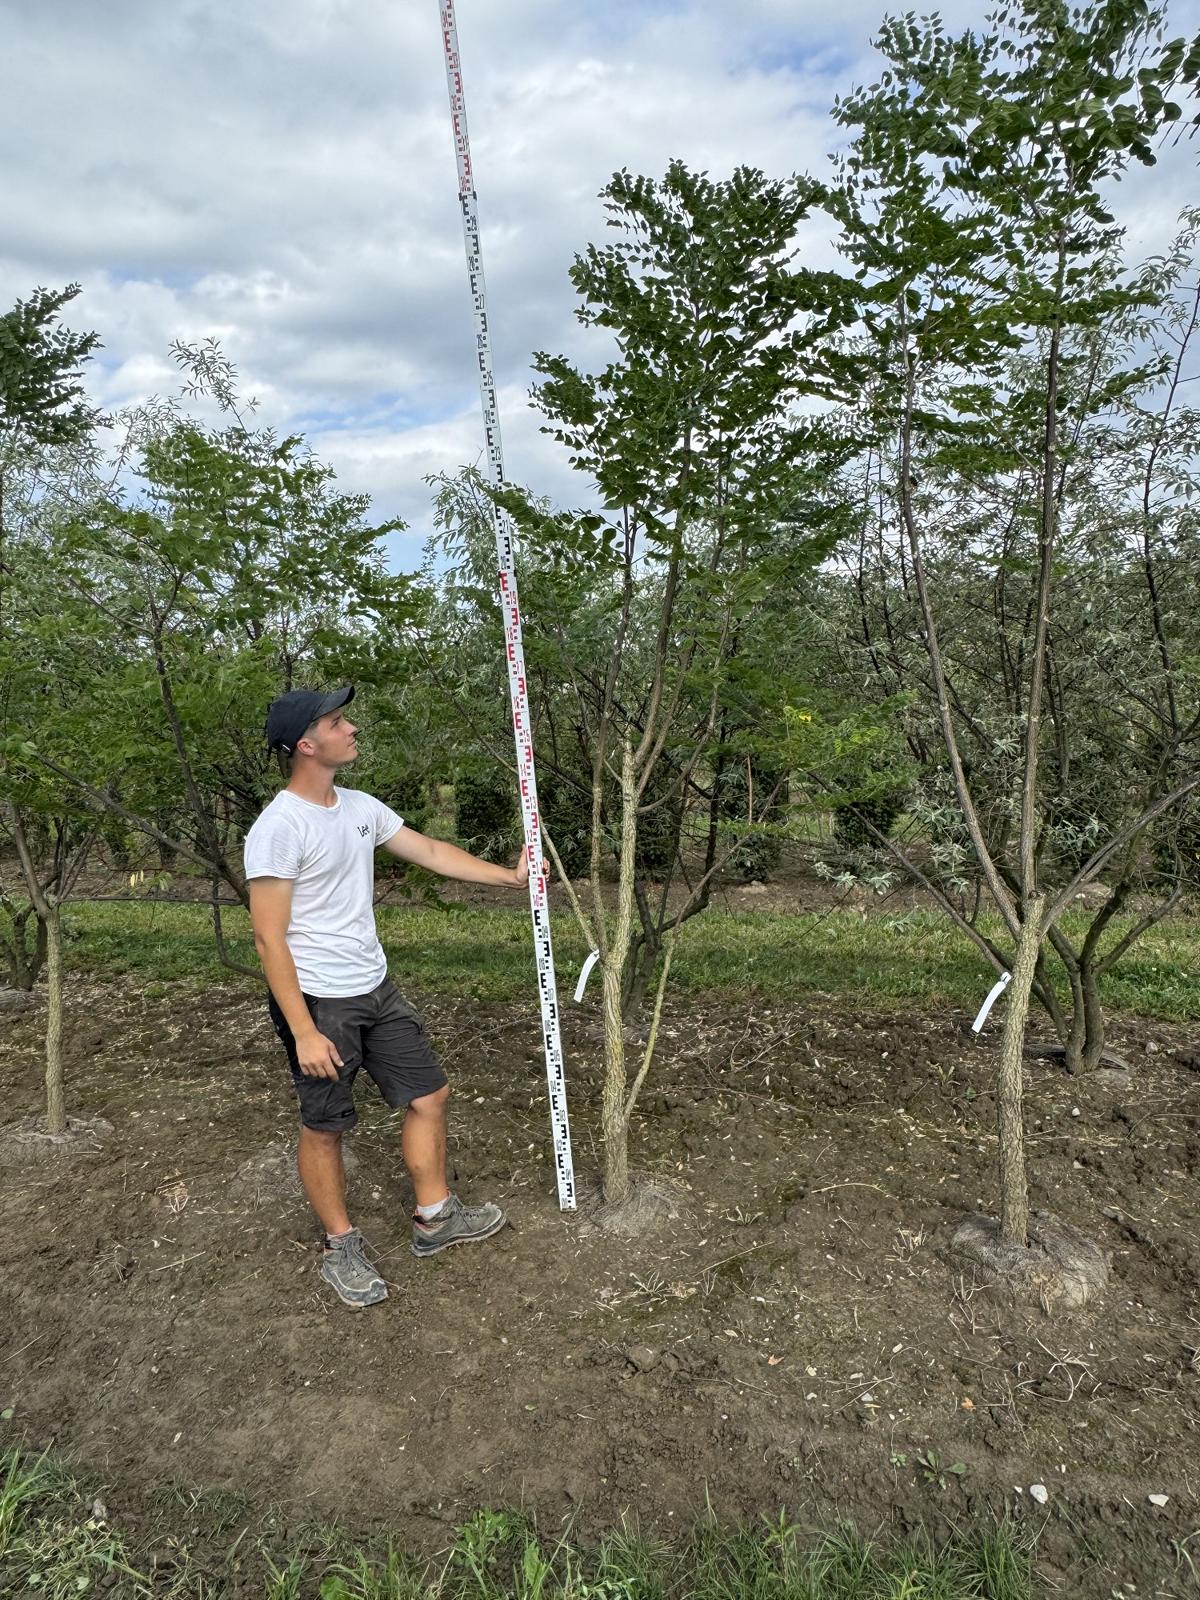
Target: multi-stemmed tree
{"type": "Point", "coordinates": [973, 209]}
{"type": "Point", "coordinates": [704, 446]}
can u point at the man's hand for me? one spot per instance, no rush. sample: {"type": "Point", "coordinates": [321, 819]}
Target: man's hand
{"type": "Point", "coordinates": [521, 872]}
{"type": "Point", "coordinates": [317, 1056]}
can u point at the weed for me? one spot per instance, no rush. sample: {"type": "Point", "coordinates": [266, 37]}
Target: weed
{"type": "Point", "coordinates": [934, 1472]}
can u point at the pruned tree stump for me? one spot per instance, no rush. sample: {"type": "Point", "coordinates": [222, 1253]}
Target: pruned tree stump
{"type": "Point", "coordinates": [1060, 1269]}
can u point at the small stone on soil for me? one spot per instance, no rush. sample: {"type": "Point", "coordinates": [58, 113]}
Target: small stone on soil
{"type": "Point", "coordinates": [642, 1357]}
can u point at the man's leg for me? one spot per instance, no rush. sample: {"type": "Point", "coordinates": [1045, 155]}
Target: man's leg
{"type": "Point", "coordinates": [330, 1104]}
{"type": "Point", "coordinates": [423, 1145]}
{"type": "Point", "coordinates": [323, 1175]}
{"type": "Point", "coordinates": [344, 1264]}
{"type": "Point", "coordinates": [441, 1218]}
{"type": "Point", "coordinates": [399, 1057]}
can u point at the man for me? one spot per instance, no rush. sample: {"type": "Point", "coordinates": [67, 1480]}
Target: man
{"type": "Point", "coordinates": [309, 860]}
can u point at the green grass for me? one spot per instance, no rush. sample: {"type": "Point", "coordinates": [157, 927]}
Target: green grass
{"type": "Point", "coordinates": [917, 958]}
{"type": "Point", "coordinates": [56, 1543]}
{"type": "Point", "coordinates": [51, 1544]}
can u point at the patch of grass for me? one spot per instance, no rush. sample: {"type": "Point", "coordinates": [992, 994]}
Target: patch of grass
{"type": "Point", "coordinates": [52, 1546]}
{"type": "Point", "coordinates": [779, 1563]}
{"type": "Point", "coordinates": [917, 959]}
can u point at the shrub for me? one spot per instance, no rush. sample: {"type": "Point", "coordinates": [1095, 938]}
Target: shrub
{"type": "Point", "coordinates": [486, 818]}
{"type": "Point", "coordinates": [757, 854]}
{"type": "Point", "coordinates": [850, 823]}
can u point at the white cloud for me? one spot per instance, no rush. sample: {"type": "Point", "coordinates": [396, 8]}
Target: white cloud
{"type": "Point", "coordinates": [281, 175]}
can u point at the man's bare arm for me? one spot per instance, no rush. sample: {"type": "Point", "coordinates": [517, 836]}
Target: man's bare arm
{"type": "Point", "coordinates": [448, 861]}
{"type": "Point", "coordinates": [270, 913]}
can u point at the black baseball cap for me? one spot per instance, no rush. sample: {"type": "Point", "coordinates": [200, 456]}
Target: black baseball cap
{"type": "Point", "coordinates": [293, 712]}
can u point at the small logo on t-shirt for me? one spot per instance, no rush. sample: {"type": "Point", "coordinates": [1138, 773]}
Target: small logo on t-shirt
{"type": "Point", "coordinates": [364, 830]}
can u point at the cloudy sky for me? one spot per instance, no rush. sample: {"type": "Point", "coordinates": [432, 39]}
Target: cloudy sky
{"type": "Point", "coordinates": [280, 174]}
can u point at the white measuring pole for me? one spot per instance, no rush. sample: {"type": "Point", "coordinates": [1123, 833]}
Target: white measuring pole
{"type": "Point", "coordinates": [514, 649]}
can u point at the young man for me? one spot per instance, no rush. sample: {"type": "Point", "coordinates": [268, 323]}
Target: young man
{"type": "Point", "coordinates": [309, 860]}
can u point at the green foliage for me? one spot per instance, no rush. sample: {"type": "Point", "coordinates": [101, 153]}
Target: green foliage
{"type": "Point", "coordinates": [856, 827]}
{"type": "Point", "coordinates": [41, 397]}
{"type": "Point", "coordinates": [1176, 846]}
{"type": "Point", "coordinates": [50, 682]}
{"type": "Point", "coordinates": [566, 803]}
{"type": "Point", "coordinates": [857, 765]}
{"type": "Point", "coordinates": [660, 620]}
{"type": "Point", "coordinates": [486, 818]}
{"type": "Point", "coordinates": [232, 571]}
{"type": "Point", "coordinates": [408, 796]}
{"type": "Point", "coordinates": [717, 333]}
{"type": "Point", "coordinates": [744, 798]}
{"type": "Point", "coordinates": [660, 821]}
{"type": "Point", "coordinates": [566, 806]}
{"type": "Point", "coordinates": [1025, 487]}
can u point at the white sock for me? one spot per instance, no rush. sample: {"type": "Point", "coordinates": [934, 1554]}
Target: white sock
{"type": "Point", "coordinates": [427, 1213]}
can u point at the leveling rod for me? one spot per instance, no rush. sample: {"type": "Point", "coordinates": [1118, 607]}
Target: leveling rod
{"type": "Point", "coordinates": [513, 647]}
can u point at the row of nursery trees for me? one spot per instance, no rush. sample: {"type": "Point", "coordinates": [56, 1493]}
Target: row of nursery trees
{"type": "Point", "coordinates": [912, 538]}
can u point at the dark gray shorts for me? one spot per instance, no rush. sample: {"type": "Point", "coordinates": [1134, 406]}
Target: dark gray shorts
{"type": "Point", "coordinates": [378, 1031]}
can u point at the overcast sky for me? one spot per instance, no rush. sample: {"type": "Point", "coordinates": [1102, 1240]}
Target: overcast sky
{"type": "Point", "coordinates": [280, 173]}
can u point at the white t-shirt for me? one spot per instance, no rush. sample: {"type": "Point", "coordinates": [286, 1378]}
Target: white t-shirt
{"type": "Point", "coordinates": [329, 854]}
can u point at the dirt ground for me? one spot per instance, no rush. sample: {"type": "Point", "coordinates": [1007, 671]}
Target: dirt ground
{"type": "Point", "coordinates": [791, 1339]}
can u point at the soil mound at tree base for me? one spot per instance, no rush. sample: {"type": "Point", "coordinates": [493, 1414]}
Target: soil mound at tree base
{"type": "Point", "coordinates": [1060, 1269]}
{"type": "Point", "coordinates": [30, 1141]}
{"type": "Point", "coordinates": [650, 1203]}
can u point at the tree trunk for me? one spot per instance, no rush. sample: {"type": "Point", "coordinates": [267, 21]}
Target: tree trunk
{"type": "Point", "coordinates": [1075, 1041]}
{"type": "Point", "coordinates": [56, 1111]}
{"type": "Point", "coordinates": [1014, 1183]}
{"type": "Point", "coordinates": [25, 964]}
{"type": "Point", "coordinates": [614, 1128]}
{"type": "Point", "coordinates": [614, 1122]}
{"type": "Point", "coordinates": [1086, 1046]}
{"type": "Point", "coordinates": [645, 956]}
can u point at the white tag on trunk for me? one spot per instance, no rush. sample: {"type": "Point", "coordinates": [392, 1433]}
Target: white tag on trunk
{"type": "Point", "coordinates": [586, 974]}
{"type": "Point", "coordinates": [994, 994]}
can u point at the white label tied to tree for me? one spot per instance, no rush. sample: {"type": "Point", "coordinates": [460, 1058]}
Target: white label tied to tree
{"type": "Point", "coordinates": [513, 648]}
{"type": "Point", "coordinates": [994, 993]}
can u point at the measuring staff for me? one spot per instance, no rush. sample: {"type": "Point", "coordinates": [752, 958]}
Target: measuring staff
{"type": "Point", "coordinates": [513, 649]}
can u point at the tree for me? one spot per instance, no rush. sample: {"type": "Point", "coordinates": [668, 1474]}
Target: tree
{"type": "Point", "coordinates": [711, 480]}
{"type": "Point", "coordinates": [232, 569]}
{"type": "Point", "coordinates": [55, 680]}
{"type": "Point", "coordinates": [46, 429]}
{"type": "Point", "coordinates": [150, 626]}
{"type": "Point", "coordinates": [973, 212]}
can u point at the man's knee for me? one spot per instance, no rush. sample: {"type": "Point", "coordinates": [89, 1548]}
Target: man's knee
{"type": "Point", "coordinates": [321, 1138]}
{"type": "Point", "coordinates": [431, 1104]}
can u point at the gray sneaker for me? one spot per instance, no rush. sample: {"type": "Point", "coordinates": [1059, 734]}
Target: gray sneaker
{"type": "Point", "coordinates": [455, 1223]}
{"type": "Point", "coordinates": [348, 1272]}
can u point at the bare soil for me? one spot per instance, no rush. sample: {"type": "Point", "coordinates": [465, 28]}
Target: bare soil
{"type": "Point", "coordinates": [791, 1338]}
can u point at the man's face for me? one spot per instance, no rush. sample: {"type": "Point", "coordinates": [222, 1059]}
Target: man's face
{"type": "Point", "coordinates": [330, 740]}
